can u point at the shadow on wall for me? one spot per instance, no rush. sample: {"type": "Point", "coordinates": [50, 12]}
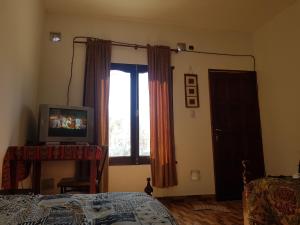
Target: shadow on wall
{"type": "Point", "coordinates": [31, 129]}
{"type": "Point", "coordinates": [26, 128]}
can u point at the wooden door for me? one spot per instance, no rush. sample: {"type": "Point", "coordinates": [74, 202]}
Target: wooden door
{"type": "Point", "coordinates": [236, 130]}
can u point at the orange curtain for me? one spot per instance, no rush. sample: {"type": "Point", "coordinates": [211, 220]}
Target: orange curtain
{"type": "Point", "coordinates": [96, 93]}
{"type": "Point", "coordinates": [162, 149]}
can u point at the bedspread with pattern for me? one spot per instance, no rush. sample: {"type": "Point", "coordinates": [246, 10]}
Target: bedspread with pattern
{"type": "Point", "coordinates": [88, 209]}
{"type": "Point", "coordinates": [273, 201]}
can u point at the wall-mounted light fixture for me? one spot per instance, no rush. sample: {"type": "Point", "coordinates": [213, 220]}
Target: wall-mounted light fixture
{"type": "Point", "coordinates": [181, 46]}
{"type": "Point", "coordinates": [55, 37]}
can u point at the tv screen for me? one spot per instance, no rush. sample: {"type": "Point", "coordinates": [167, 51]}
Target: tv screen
{"type": "Point", "coordinates": [67, 122]}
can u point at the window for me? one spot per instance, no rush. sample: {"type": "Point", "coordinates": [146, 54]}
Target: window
{"type": "Point", "coordinates": [129, 116]}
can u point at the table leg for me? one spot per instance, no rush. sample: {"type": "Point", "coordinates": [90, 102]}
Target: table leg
{"type": "Point", "coordinates": [36, 177]}
{"type": "Point", "coordinates": [93, 174]}
{"type": "Point", "coordinates": [13, 174]}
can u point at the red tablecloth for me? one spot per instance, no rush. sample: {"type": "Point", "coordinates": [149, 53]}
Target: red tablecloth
{"type": "Point", "coordinates": [23, 154]}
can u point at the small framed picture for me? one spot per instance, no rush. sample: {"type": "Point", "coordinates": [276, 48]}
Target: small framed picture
{"type": "Point", "coordinates": [190, 80]}
{"type": "Point", "coordinates": [192, 102]}
{"type": "Point", "coordinates": [191, 90]}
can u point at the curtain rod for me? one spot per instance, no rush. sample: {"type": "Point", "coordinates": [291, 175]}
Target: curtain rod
{"type": "Point", "coordinates": [137, 46]}
{"type": "Point", "coordinates": [115, 43]}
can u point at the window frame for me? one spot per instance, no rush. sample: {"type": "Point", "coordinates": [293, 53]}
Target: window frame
{"type": "Point", "coordinates": [134, 158]}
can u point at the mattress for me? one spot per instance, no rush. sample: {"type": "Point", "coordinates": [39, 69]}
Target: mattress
{"type": "Point", "coordinates": [88, 209]}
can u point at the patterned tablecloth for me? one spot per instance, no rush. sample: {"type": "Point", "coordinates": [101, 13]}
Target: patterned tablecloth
{"type": "Point", "coordinates": [21, 155]}
{"type": "Point", "coordinates": [273, 201]}
{"type": "Point", "coordinates": [86, 209]}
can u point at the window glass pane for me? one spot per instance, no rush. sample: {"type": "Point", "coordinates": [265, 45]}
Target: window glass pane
{"type": "Point", "coordinates": [144, 115]}
{"type": "Point", "coordinates": [119, 114]}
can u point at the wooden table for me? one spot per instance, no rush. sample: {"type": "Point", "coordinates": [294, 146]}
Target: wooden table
{"type": "Point", "coordinates": [14, 163]}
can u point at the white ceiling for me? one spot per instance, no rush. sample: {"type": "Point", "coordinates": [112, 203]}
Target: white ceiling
{"type": "Point", "coordinates": [237, 15]}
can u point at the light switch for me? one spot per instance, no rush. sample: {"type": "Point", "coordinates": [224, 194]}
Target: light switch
{"type": "Point", "coordinates": [193, 113]}
{"type": "Point", "coordinates": [195, 175]}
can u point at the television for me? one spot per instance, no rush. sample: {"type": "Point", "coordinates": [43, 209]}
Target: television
{"type": "Point", "coordinates": [65, 124]}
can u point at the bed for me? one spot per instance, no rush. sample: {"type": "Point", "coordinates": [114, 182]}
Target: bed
{"type": "Point", "coordinates": [272, 200]}
{"type": "Point", "coordinates": [87, 209]}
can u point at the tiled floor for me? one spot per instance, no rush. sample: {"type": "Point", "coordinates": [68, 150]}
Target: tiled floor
{"type": "Point", "coordinates": [184, 213]}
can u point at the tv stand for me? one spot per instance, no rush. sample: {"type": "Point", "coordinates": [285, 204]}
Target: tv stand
{"type": "Point", "coordinates": [67, 143]}
{"type": "Point", "coordinates": [16, 157]}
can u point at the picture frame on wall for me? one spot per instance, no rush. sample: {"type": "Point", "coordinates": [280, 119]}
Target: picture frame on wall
{"type": "Point", "coordinates": [192, 102]}
{"type": "Point", "coordinates": [191, 90]}
{"type": "Point", "coordinates": [190, 80]}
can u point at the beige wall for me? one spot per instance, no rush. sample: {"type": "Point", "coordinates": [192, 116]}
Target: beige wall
{"type": "Point", "coordinates": [277, 48]}
{"type": "Point", "coordinates": [20, 36]}
{"type": "Point", "coordinates": [192, 135]}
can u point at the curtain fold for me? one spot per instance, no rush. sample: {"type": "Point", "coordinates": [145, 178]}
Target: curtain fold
{"type": "Point", "coordinates": [96, 94]}
{"type": "Point", "coordinates": [162, 148]}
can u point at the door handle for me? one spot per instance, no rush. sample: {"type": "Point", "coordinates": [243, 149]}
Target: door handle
{"type": "Point", "coordinates": [218, 130]}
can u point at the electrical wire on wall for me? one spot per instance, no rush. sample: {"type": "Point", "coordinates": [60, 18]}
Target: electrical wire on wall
{"type": "Point", "coordinates": [71, 72]}
{"type": "Point", "coordinates": [78, 40]}
{"type": "Point", "coordinates": [224, 54]}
